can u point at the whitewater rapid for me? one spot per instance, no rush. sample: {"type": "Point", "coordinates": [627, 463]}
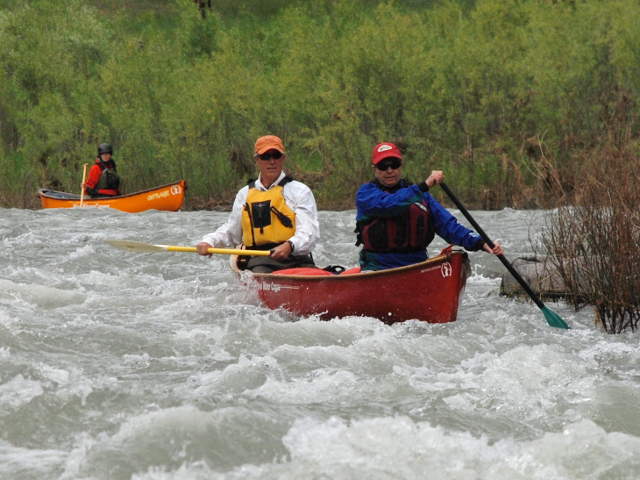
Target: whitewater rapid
{"type": "Point", "coordinates": [123, 365]}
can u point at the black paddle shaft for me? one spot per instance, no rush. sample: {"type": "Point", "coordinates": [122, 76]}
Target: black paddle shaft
{"type": "Point", "coordinates": [486, 238]}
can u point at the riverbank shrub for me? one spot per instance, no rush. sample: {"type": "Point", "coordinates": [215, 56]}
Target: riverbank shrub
{"type": "Point", "coordinates": [595, 243]}
{"type": "Point", "coordinates": [499, 94]}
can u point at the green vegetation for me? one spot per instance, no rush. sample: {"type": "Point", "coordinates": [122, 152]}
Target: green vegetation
{"type": "Point", "coordinates": [507, 96]}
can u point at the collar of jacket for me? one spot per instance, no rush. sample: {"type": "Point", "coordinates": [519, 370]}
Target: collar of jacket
{"type": "Point", "coordinates": [403, 183]}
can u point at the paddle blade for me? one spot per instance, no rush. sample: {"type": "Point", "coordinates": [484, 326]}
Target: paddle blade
{"type": "Point", "coordinates": [553, 319]}
{"type": "Point", "coordinates": [136, 246]}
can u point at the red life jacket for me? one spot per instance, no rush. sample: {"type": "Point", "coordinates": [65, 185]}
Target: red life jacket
{"type": "Point", "coordinates": [103, 179]}
{"type": "Point", "coordinates": [408, 232]}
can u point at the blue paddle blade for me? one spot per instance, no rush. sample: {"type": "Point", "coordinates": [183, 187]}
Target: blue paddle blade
{"type": "Point", "coordinates": [553, 319]}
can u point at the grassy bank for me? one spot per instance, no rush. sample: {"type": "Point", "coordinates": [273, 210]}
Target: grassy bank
{"type": "Point", "coordinates": [506, 96]}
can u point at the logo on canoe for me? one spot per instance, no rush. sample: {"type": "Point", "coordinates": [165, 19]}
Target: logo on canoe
{"type": "Point", "coordinates": [157, 195]}
{"type": "Point", "coordinates": [446, 269]}
{"type": "Point", "coordinates": [274, 287]}
{"type": "Point", "coordinates": [175, 189]}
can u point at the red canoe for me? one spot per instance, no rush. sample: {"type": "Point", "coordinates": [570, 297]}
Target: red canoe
{"type": "Point", "coordinates": [429, 291]}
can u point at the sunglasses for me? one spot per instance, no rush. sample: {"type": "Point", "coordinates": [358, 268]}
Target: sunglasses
{"type": "Point", "coordinates": [269, 155]}
{"type": "Point", "coordinates": [392, 162]}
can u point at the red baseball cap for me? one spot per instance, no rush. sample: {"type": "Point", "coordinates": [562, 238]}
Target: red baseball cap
{"type": "Point", "coordinates": [384, 150]}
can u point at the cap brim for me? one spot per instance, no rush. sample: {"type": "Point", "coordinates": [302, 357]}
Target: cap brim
{"type": "Point", "coordinates": [269, 147]}
{"type": "Point", "coordinates": [377, 160]}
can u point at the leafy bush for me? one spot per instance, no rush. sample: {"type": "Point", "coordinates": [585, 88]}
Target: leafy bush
{"type": "Point", "coordinates": [499, 94]}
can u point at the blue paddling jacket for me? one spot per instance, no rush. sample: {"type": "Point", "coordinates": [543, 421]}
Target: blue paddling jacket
{"type": "Point", "coordinates": [395, 225]}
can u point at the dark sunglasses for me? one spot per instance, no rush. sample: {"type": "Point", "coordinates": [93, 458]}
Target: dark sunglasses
{"type": "Point", "coordinates": [389, 162]}
{"type": "Point", "coordinates": [269, 155]}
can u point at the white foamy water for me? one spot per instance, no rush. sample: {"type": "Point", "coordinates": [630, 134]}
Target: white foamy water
{"type": "Point", "coordinates": [157, 366]}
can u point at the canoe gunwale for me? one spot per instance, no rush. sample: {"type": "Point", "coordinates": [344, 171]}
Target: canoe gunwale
{"type": "Point", "coordinates": [430, 262]}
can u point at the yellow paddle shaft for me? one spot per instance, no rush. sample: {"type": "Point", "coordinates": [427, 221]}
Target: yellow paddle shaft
{"type": "Point", "coordinates": [146, 247]}
{"type": "Point", "coordinates": [224, 251]}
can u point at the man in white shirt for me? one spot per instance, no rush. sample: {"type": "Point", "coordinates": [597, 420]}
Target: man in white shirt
{"type": "Point", "coordinates": [273, 213]}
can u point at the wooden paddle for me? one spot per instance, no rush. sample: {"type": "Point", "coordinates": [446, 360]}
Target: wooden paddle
{"type": "Point", "coordinates": [553, 319]}
{"type": "Point", "coordinates": [84, 177]}
{"type": "Point", "coordinates": [147, 247]}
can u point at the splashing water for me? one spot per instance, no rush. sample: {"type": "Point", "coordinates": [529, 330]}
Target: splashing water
{"type": "Point", "coordinates": [119, 365]}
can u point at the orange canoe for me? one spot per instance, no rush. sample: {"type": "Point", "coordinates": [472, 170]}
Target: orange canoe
{"type": "Point", "coordinates": [166, 197]}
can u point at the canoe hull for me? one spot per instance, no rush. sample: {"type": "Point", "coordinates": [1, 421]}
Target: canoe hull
{"type": "Point", "coordinates": [168, 197]}
{"type": "Point", "coordinates": [429, 291]}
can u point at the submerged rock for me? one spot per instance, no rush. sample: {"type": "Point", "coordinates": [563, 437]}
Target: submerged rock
{"type": "Point", "coordinates": [541, 275]}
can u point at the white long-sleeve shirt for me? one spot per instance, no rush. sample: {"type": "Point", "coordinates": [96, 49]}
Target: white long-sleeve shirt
{"type": "Point", "coordinates": [299, 198]}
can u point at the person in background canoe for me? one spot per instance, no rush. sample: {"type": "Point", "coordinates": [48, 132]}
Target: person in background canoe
{"type": "Point", "coordinates": [274, 212]}
{"type": "Point", "coordinates": [103, 179]}
{"type": "Point", "coordinates": [396, 220]}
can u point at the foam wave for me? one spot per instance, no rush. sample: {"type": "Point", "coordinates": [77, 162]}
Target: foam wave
{"type": "Point", "coordinates": [40, 296]}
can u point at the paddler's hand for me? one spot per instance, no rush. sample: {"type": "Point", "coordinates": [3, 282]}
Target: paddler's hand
{"type": "Point", "coordinates": [282, 251]}
{"type": "Point", "coordinates": [203, 248]}
{"type": "Point", "coordinates": [496, 250]}
{"type": "Point", "coordinates": [436, 176]}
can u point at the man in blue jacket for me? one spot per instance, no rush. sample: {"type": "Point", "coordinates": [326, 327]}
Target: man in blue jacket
{"type": "Point", "coordinates": [397, 220]}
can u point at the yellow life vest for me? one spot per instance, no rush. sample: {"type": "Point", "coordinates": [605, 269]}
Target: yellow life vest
{"type": "Point", "coordinates": [267, 220]}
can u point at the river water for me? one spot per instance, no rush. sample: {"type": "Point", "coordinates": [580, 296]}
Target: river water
{"type": "Point", "coordinates": [125, 365]}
